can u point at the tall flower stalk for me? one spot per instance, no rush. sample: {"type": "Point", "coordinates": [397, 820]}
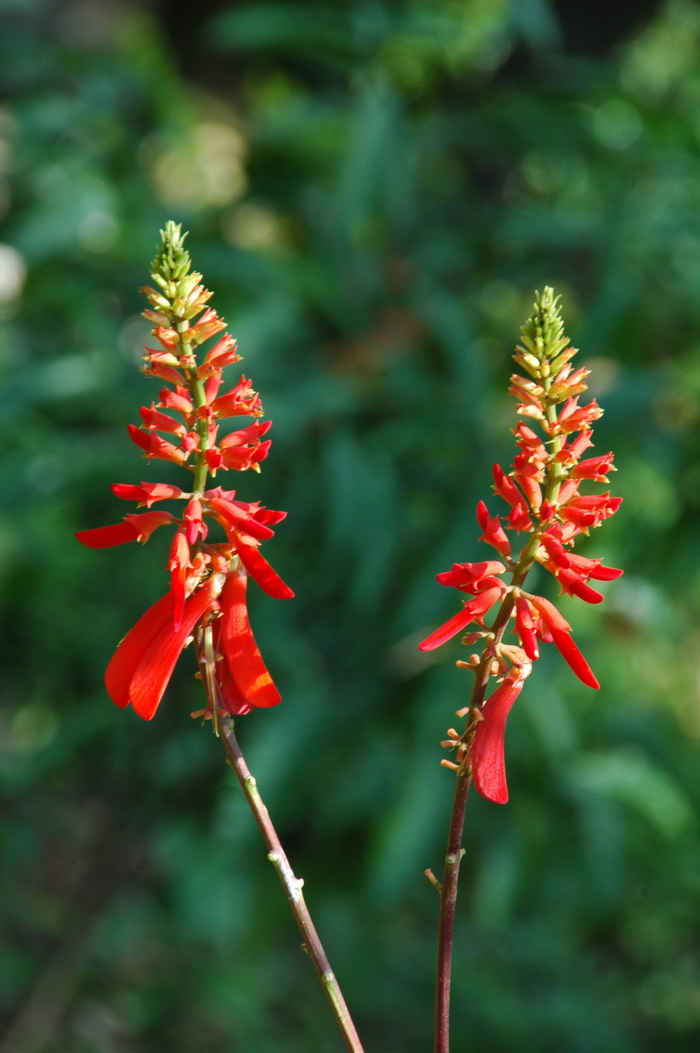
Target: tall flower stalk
{"type": "Point", "coordinates": [206, 601]}
{"type": "Point", "coordinates": [546, 514]}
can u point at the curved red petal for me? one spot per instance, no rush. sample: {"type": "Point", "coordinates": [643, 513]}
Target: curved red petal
{"type": "Point", "coordinates": [261, 571]}
{"type": "Point", "coordinates": [133, 647]}
{"type": "Point", "coordinates": [230, 697]}
{"type": "Point", "coordinates": [488, 756]}
{"type": "Point", "coordinates": [571, 654]}
{"type": "Point", "coordinates": [239, 649]}
{"type": "Point", "coordinates": [455, 624]}
{"type": "Point", "coordinates": [474, 610]}
{"type": "Point", "coordinates": [153, 672]}
{"type": "Point", "coordinates": [106, 536]}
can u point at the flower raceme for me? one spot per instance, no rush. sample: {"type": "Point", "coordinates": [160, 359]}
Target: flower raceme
{"type": "Point", "coordinates": [208, 580]}
{"type": "Point", "coordinates": [545, 505]}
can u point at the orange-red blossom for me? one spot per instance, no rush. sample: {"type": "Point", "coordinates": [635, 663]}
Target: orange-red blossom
{"type": "Point", "coordinates": [542, 492]}
{"type": "Point", "coordinates": [208, 580]}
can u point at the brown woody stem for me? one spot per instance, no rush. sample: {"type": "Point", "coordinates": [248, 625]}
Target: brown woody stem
{"type": "Point", "coordinates": [292, 887]}
{"type": "Point", "coordinates": [448, 902]}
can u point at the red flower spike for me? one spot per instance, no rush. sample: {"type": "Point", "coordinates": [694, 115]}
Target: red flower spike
{"type": "Point", "coordinates": [488, 754]}
{"type": "Point", "coordinates": [143, 663]}
{"type": "Point", "coordinates": [542, 492]}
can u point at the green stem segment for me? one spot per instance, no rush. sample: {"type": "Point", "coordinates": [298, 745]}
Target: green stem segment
{"type": "Point", "coordinates": [292, 887]}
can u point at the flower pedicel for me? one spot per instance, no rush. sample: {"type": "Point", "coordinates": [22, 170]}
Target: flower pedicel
{"type": "Point", "coordinates": [542, 492]}
{"type": "Point", "coordinates": [208, 580]}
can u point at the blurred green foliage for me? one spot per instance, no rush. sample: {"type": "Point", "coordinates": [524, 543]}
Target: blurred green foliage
{"type": "Point", "coordinates": [374, 189]}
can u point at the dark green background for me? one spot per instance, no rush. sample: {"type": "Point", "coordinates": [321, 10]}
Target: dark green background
{"type": "Point", "coordinates": [374, 191]}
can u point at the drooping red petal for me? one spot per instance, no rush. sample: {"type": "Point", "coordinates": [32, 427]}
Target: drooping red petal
{"type": "Point", "coordinates": [133, 647]}
{"type": "Point", "coordinates": [474, 610]}
{"type": "Point", "coordinates": [571, 654]}
{"type": "Point", "coordinates": [106, 536]}
{"type": "Point", "coordinates": [153, 672]}
{"type": "Point", "coordinates": [240, 651]}
{"type": "Point", "coordinates": [261, 571]}
{"type": "Point", "coordinates": [488, 756]}
{"type": "Point", "coordinates": [230, 697]}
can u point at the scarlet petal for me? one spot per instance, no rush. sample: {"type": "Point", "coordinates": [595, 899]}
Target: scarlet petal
{"type": "Point", "coordinates": [571, 654]}
{"type": "Point", "coordinates": [552, 620]}
{"type": "Point", "coordinates": [488, 757]}
{"type": "Point", "coordinates": [474, 610]}
{"type": "Point", "coordinates": [229, 695]}
{"type": "Point", "coordinates": [240, 651]}
{"type": "Point", "coordinates": [133, 647]}
{"type": "Point", "coordinates": [106, 536]}
{"type": "Point", "coordinates": [155, 668]}
{"type": "Point", "coordinates": [259, 569]}
{"type": "Point", "coordinates": [602, 573]}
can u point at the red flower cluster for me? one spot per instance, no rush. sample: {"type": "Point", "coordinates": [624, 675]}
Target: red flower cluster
{"type": "Point", "coordinates": [542, 492]}
{"type": "Point", "coordinates": [208, 580]}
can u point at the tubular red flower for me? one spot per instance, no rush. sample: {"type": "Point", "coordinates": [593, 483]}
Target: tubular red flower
{"type": "Point", "coordinates": [178, 565]}
{"type": "Point", "coordinates": [493, 532]}
{"type": "Point", "coordinates": [488, 755]}
{"type": "Point", "coordinates": [525, 628]}
{"type": "Point", "coordinates": [147, 493]}
{"type": "Point", "coordinates": [506, 488]}
{"type": "Point", "coordinates": [564, 643]}
{"type": "Point", "coordinates": [260, 570]}
{"type": "Point", "coordinates": [234, 640]}
{"type": "Point", "coordinates": [474, 610]}
{"type": "Point", "coordinates": [134, 528]}
{"type": "Point", "coordinates": [143, 663]}
{"type": "Point", "coordinates": [234, 517]}
{"type": "Point", "coordinates": [470, 577]}
{"type": "Point", "coordinates": [153, 446]}
{"type": "Point", "coordinates": [107, 536]}
{"type": "Point", "coordinates": [154, 419]}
